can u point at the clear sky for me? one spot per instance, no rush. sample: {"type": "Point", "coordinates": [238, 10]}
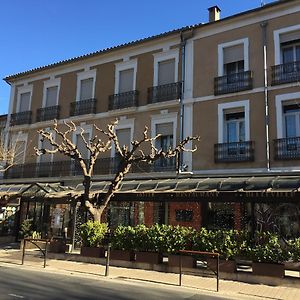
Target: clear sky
{"type": "Point", "coordinates": [34, 33]}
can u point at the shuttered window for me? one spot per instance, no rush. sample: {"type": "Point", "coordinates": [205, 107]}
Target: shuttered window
{"type": "Point", "coordinates": [45, 157]}
{"type": "Point", "coordinates": [124, 136]}
{"type": "Point", "coordinates": [24, 104]}
{"type": "Point", "coordinates": [233, 54]}
{"type": "Point", "coordinates": [166, 72]}
{"type": "Point", "coordinates": [19, 152]}
{"type": "Point", "coordinates": [290, 37]}
{"type": "Point", "coordinates": [164, 129]}
{"type": "Point", "coordinates": [51, 96]}
{"type": "Point", "coordinates": [86, 89]}
{"type": "Point", "coordinates": [81, 145]}
{"type": "Point", "coordinates": [126, 81]}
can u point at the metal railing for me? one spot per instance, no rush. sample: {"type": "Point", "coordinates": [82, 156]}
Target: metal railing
{"type": "Point", "coordinates": [287, 148]}
{"type": "Point", "coordinates": [286, 73]}
{"type": "Point", "coordinates": [166, 92]}
{"type": "Point", "coordinates": [47, 113]}
{"type": "Point", "coordinates": [83, 107]}
{"type": "Point", "coordinates": [234, 152]}
{"type": "Point", "coordinates": [103, 166]}
{"type": "Point", "coordinates": [234, 83]}
{"type": "Point", "coordinates": [123, 100]}
{"type": "Point", "coordinates": [21, 118]}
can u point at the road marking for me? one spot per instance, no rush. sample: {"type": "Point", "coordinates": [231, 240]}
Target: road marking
{"type": "Point", "coordinates": [16, 296]}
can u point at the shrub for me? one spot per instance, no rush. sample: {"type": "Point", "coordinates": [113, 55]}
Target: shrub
{"type": "Point", "coordinates": [123, 238]}
{"type": "Point", "coordinates": [294, 248]}
{"type": "Point", "coordinates": [268, 249]}
{"type": "Point", "coordinates": [26, 228]}
{"type": "Point", "coordinates": [92, 233]}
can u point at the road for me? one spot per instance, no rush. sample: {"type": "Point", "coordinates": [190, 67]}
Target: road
{"type": "Point", "coordinates": [18, 283]}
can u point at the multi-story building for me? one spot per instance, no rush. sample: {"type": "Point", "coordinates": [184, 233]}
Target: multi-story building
{"type": "Point", "coordinates": [232, 81]}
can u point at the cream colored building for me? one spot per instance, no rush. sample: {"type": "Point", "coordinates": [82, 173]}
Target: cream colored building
{"type": "Point", "coordinates": [233, 81]}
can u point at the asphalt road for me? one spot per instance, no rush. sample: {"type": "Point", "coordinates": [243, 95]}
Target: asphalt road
{"type": "Point", "coordinates": [18, 283]}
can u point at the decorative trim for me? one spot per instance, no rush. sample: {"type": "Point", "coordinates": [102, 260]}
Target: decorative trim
{"type": "Point", "coordinates": [82, 76]}
{"type": "Point", "coordinates": [125, 65]}
{"type": "Point", "coordinates": [48, 84]}
{"type": "Point", "coordinates": [221, 48]}
{"type": "Point", "coordinates": [161, 56]}
{"type": "Point", "coordinates": [279, 99]}
{"type": "Point", "coordinates": [277, 33]}
{"type": "Point", "coordinates": [221, 107]}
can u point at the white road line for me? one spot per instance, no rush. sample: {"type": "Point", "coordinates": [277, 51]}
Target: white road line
{"type": "Point", "coordinates": [16, 296]}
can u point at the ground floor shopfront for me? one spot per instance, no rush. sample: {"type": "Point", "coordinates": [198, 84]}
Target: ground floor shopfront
{"type": "Point", "coordinates": [256, 203]}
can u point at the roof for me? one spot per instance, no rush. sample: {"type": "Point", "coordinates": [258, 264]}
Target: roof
{"type": "Point", "coordinates": [9, 78]}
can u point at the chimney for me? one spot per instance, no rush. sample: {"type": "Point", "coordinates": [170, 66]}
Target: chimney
{"type": "Point", "coordinates": [214, 13]}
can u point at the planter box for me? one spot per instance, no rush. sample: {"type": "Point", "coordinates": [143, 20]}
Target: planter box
{"type": "Point", "coordinates": [149, 257]}
{"type": "Point", "coordinates": [186, 261]}
{"type": "Point", "coordinates": [126, 255]}
{"type": "Point", "coordinates": [92, 251]}
{"type": "Point", "coordinates": [226, 266]}
{"type": "Point", "coordinates": [268, 269]}
{"type": "Point", "coordinates": [57, 246]}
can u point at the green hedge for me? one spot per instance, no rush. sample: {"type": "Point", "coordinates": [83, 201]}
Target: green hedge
{"type": "Point", "coordinates": [92, 233]}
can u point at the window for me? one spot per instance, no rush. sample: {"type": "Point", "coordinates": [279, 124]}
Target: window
{"type": "Point", "coordinates": [20, 148]}
{"type": "Point", "coordinates": [166, 71]}
{"type": "Point", "coordinates": [124, 135]}
{"type": "Point", "coordinates": [165, 141]}
{"type": "Point", "coordinates": [45, 144]}
{"type": "Point", "coordinates": [24, 104]}
{"type": "Point", "coordinates": [290, 47]}
{"type": "Point", "coordinates": [234, 127]}
{"type": "Point", "coordinates": [184, 215]}
{"type": "Point", "coordinates": [86, 89]}
{"type": "Point", "coordinates": [292, 120]}
{"type": "Point", "coordinates": [126, 81]}
{"type": "Point", "coordinates": [51, 96]}
{"type": "Point", "coordinates": [81, 144]}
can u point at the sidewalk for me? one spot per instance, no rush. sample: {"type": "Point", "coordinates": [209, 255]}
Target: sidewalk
{"type": "Point", "coordinates": [231, 289]}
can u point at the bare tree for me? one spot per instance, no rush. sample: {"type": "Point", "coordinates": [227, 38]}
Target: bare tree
{"type": "Point", "coordinates": [7, 153]}
{"type": "Point", "coordinates": [141, 150]}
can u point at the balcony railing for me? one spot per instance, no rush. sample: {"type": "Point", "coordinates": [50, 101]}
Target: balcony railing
{"type": "Point", "coordinates": [234, 152]}
{"type": "Point", "coordinates": [123, 100]}
{"type": "Point", "coordinates": [286, 73]}
{"type": "Point", "coordinates": [83, 107]}
{"type": "Point", "coordinates": [47, 113]}
{"type": "Point", "coordinates": [21, 118]}
{"type": "Point", "coordinates": [288, 148]}
{"type": "Point", "coordinates": [233, 83]}
{"type": "Point", "coordinates": [104, 166]}
{"type": "Point", "coordinates": [166, 92]}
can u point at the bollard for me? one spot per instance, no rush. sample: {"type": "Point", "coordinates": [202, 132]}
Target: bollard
{"type": "Point", "coordinates": [107, 261]}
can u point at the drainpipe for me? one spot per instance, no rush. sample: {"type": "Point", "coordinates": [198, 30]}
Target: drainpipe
{"type": "Point", "coordinates": [184, 36]}
{"type": "Point", "coordinates": [267, 117]}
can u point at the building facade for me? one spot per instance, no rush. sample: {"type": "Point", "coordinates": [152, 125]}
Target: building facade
{"type": "Point", "coordinates": [232, 81]}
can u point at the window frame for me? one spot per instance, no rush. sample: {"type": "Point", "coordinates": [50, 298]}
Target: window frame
{"type": "Point", "coordinates": [83, 76]}
{"type": "Point", "coordinates": [49, 84]}
{"type": "Point", "coordinates": [163, 56]}
{"type": "Point", "coordinates": [221, 47]}
{"type": "Point", "coordinates": [23, 90]}
{"type": "Point", "coordinates": [122, 66]}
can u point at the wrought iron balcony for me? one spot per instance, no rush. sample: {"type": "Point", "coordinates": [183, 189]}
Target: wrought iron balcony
{"type": "Point", "coordinates": [166, 92]}
{"type": "Point", "coordinates": [103, 166]}
{"type": "Point", "coordinates": [83, 107]}
{"type": "Point", "coordinates": [21, 118]}
{"type": "Point", "coordinates": [288, 148]}
{"type": "Point", "coordinates": [123, 100]}
{"type": "Point", "coordinates": [233, 83]}
{"type": "Point", "coordinates": [47, 113]}
{"type": "Point", "coordinates": [286, 73]}
{"type": "Point", "coordinates": [234, 152]}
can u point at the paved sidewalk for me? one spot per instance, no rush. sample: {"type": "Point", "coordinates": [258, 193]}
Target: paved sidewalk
{"type": "Point", "coordinates": [229, 289]}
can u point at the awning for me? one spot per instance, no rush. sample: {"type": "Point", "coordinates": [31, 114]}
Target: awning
{"type": "Point", "coordinates": [210, 187]}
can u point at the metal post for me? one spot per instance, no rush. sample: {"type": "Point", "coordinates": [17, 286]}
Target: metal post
{"type": "Point", "coordinates": [218, 262]}
{"type": "Point", "coordinates": [45, 255]}
{"type": "Point", "coordinates": [74, 226]}
{"type": "Point", "coordinates": [23, 254]}
{"type": "Point", "coordinates": [107, 261]}
{"type": "Point", "coordinates": [180, 269]}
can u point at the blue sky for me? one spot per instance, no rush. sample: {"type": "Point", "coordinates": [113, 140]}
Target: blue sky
{"type": "Point", "coordinates": [34, 33]}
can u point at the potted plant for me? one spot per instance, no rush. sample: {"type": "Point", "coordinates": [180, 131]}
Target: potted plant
{"type": "Point", "coordinates": [147, 243]}
{"type": "Point", "coordinates": [92, 235]}
{"type": "Point", "coordinates": [179, 238]}
{"type": "Point", "coordinates": [268, 255]}
{"type": "Point", "coordinates": [122, 243]}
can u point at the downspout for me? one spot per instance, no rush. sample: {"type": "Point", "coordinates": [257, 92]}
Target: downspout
{"type": "Point", "coordinates": [184, 36]}
{"type": "Point", "coordinates": [267, 116]}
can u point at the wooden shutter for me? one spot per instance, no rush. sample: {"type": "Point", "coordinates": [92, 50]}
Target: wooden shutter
{"type": "Point", "coordinates": [233, 54]}
{"type": "Point", "coordinates": [24, 104]}
{"type": "Point", "coordinates": [86, 89]}
{"type": "Point", "coordinates": [166, 72]}
{"type": "Point", "coordinates": [126, 81]}
{"type": "Point", "coordinates": [51, 96]}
